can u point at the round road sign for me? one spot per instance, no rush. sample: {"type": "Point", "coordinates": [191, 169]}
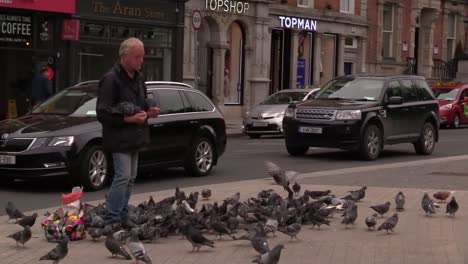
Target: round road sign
{"type": "Point", "coordinates": [196, 19]}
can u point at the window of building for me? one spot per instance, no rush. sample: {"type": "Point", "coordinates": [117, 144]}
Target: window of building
{"type": "Point", "coordinates": [350, 42]}
{"type": "Point", "coordinates": [387, 30]}
{"type": "Point", "coordinates": [451, 35]}
{"type": "Point", "coordinates": [304, 3]}
{"type": "Point", "coordinates": [347, 6]}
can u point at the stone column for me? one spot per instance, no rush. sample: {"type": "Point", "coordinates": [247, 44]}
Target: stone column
{"type": "Point", "coordinates": [294, 50]}
{"type": "Point", "coordinates": [363, 58]}
{"type": "Point", "coordinates": [219, 51]}
{"type": "Point", "coordinates": [341, 44]}
{"type": "Point", "coordinates": [317, 59]}
{"type": "Point", "coordinates": [428, 17]}
{"type": "Point", "coordinates": [189, 51]}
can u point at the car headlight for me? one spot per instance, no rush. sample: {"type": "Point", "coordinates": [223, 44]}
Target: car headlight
{"type": "Point", "coordinates": [61, 141]}
{"type": "Point", "coordinates": [290, 112]}
{"type": "Point", "coordinates": [348, 115]}
{"type": "Point", "coordinates": [446, 107]}
{"type": "Point", "coordinates": [279, 115]}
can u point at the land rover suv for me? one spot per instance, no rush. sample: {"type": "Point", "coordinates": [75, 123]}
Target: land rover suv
{"type": "Point", "coordinates": [364, 113]}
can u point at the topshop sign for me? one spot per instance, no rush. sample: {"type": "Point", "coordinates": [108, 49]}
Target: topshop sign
{"type": "Point", "coordinates": [298, 23]}
{"type": "Point", "coordinates": [228, 6]}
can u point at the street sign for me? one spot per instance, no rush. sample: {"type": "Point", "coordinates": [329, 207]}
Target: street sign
{"type": "Point", "coordinates": [196, 19]}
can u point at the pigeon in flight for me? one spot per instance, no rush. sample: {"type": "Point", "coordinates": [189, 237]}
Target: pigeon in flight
{"type": "Point", "coordinates": [12, 211]}
{"type": "Point", "coordinates": [281, 177]}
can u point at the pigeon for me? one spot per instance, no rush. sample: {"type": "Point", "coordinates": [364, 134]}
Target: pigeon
{"type": "Point", "coordinates": [381, 209]}
{"type": "Point", "coordinates": [233, 199]}
{"type": "Point", "coordinates": [121, 235]}
{"type": "Point", "coordinates": [95, 232]}
{"type": "Point", "coordinates": [206, 194]}
{"type": "Point", "coordinates": [136, 247]}
{"type": "Point", "coordinates": [196, 238]}
{"type": "Point", "coordinates": [221, 228]}
{"type": "Point", "coordinates": [12, 211]}
{"type": "Point", "coordinates": [22, 236]}
{"type": "Point", "coordinates": [452, 207]}
{"type": "Point", "coordinates": [281, 177]}
{"type": "Point", "coordinates": [271, 257]}
{"type": "Point", "coordinates": [58, 253]}
{"type": "Point", "coordinates": [187, 207]}
{"type": "Point", "coordinates": [296, 188]}
{"type": "Point", "coordinates": [428, 205]}
{"type": "Point", "coordinates": [260, 244]}
{"type": "Point", "coordinates": [271, 226]}
{"type": "Point", "coordinates": [179, 195]}
{"type": "Point", "coordinates": [291, 230]}
{"type": "Point", "coordinates": [317, 194]}
{"type": "Point", "coordinates": [389, 223]}
{"type": "Point", "coordinates": [442, 195]}
{"type": "Point", "coordinates": [116, 247]}
{"type": "Point", "coordinates": [28, 220]}
{"type": "Point", "coordinates": [400, 201]}
{"type": "Point", "coordinates": [358, 194]}
{"type": "Point", "coordinates": [371, 221]}
{"type": "Point", "coordinates": [350, 215]}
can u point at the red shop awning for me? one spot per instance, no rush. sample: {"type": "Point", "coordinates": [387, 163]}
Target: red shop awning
{"type": "Point", "coordinates": [58, 6]}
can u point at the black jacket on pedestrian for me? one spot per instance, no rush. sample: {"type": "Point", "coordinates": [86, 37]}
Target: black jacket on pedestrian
{"type": "Point", "coordinates": [115, 87]}
{"type": "Point", "coordinates": [40, 89]}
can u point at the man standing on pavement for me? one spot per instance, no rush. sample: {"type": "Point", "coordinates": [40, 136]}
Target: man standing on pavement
{"type": "Point", "coordinates": [123, 136]}
{"type": "Point", "coordinates": [40, 89]}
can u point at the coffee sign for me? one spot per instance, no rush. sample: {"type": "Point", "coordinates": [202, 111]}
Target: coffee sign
{"type": "Point", "coordinates": [16, 30]}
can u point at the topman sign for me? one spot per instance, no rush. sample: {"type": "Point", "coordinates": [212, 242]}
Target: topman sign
{"type": "Point", "coordinates": [299, 23]}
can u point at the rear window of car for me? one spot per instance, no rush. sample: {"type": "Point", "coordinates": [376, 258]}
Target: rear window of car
{"type": "Point", "coordinates": [446, 94]}
{"type": "Point", "coordinates": [199, 102]}
{"type": "Point", "coordinates": [169, 101]}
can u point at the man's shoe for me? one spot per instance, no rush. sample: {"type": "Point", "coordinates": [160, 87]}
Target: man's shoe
{"type": "Point", "coordinates": [128, 225]}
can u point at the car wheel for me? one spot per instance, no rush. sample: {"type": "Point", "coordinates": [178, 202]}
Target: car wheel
{"type": "Point", "coordinates": [297, 150]}
{"type": "Point", "coordinates": [456, 122]}
{"type": "Point", "coordinates": [201, 159]}
{"type": "Point", "coordinates": [94, 169]}
{"type": "Point", "coordinates": [426, 142]}
{"type": "Point", "coordinates": [254, 136]}
{"type": "Point", "coordinates": [371, 143]}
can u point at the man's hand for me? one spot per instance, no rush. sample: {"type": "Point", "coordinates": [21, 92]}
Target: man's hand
{"type": "Point", "coordinates": [138, 118]}
{"type": "Point", "coordinates": [153, 112]}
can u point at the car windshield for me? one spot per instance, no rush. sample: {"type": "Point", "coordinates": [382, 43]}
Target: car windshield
{"type": "Point", "coordinates": [72, 102]}
{"type": "Point", "coordinates": [285, 98]}
{"type": "Point", "coordinates": [352, 89]}
{"type": "Point", "coordinates": [446, 94]}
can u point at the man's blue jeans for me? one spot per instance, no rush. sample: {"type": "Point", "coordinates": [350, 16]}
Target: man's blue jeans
{"type": "Point", "coordinates": [125, 172]}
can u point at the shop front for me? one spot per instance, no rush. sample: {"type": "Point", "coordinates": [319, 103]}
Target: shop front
{"type": "Point", "coordinates": [104, 24]}
{"type": "Point", "coordinates": [30, 39]}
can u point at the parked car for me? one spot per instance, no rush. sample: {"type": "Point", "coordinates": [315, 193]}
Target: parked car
{"type": "Point", "coordinates": [453, 102]}
{"type": "Point", "coordinates": [364, 113]}
{"type": "Point", "coordinates": [62, 137]}
{"type": "Point", "coordinates": [267, 117]}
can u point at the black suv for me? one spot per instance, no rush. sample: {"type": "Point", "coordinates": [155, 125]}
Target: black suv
{"type": "Point", "coordinates": [62, 137]}
{"type": "Point", "coordinates": [364, 113]}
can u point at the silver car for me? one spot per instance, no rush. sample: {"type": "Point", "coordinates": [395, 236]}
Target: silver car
{"type": "Point", "coordinates": [267, 117]}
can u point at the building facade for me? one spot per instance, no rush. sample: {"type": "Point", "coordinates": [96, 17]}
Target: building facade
{"type": "Point", "coordinates": [242, 51]}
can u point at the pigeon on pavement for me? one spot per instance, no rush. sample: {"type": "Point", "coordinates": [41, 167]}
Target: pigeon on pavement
{"type": "Point", "coordinates": [296, 188]}
{"type": "Point", "coordinates": [371, 221]}
{"type": "Point", "coordinates": [452, 207]}
{"type": "Point", "coordinates": [350, 215]}
{"type": "Point", "coordinates": [95, 232]}
{"type": "Point", "coordinates": [116, 247]}
{"type": "Point", "coordinates": [271, 257]}
{"type": "Point", "coordinates": [358, 195]}
{"type": "Point", "coordinates": [260, 244]}
{"type": "Point", "coordinates": [428, 205]}
{"type": "Point", "coordinates": [12, 211]}
{"type": "Point", "coordinates": [389, 223]}
{"type": "Point", "coordinates": [206, 194]}
{"type": "Point", "coordinates": [381, 209]}
{"type": "Point", "coordinates": [196, 238]}
{"type": "Point", "coordinates": [22, 236]}
{"type": "Point", "coordinates": [291, 230]}
{"type": "Point", "coordinates": [400, 201]}
{"type": "Point", "coordinates": [317, 194]}
{"type": "Point", "coordinates": [58, 253]}
{"type": "Point", "coordinates": [442, 196]}
{"type": "Point", "coordinates": [28, 220]}
{"type": "Point", "coordinates": [281, 177]}
{"type": "Point", "coordinates": [136, 248]}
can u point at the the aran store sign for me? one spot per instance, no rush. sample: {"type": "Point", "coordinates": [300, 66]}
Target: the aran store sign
{"type": "Point", "coordinates": [298, 23]}
{"type": "Point", "coordinates": [228, 6]}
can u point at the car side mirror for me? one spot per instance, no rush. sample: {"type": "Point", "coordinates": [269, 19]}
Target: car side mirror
{"type": "Point", "coordinates": [395, 100]}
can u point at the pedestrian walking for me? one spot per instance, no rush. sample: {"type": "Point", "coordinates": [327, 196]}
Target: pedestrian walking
{"type": "Point", "coordinates": [124, 136]}
{"type": "Point", "coordinates": [40, 87]}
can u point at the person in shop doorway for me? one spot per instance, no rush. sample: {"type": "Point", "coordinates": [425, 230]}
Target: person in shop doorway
{"type": "Point", "coordinates": [124, 135]}
{"type": "Point", "coordinates": [40, 87]}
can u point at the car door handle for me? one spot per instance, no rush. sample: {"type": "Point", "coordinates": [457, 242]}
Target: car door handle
{"type": "Point", "coordinates": [157, 125]}
{"type": "Point", "coordinates": [193, 122]}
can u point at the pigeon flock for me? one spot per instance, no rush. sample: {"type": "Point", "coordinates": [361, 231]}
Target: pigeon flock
{"type": "Point", "coordinates": [253, 220]}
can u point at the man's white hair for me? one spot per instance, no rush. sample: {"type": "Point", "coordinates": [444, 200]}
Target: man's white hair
{"type": "Point", "coordinates": [128, 45]}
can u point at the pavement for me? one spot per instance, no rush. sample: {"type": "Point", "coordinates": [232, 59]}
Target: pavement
{"type": "Point", "coordinates": [234, 127]}
{"type": "Point", "coordinates": [418, 238]}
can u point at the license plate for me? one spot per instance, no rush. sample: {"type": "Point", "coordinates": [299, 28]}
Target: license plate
{"type": "Point", "coordinates": [10, 160]}
{"type": "Point", "coordinates": [310, 130]}
{"type": "Point", "coordinates": [260, 124]}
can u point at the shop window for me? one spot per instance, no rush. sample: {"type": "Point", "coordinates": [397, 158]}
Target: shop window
{"type": "Point", "coordinates": [303, 3]}
{"type": "Point", "coordinates": [347, 6]}
{"type": "Point", "coordinates": [350, 42]}
{"type": "Point", "coordinates": [387, 30]}
{"type": "Point", "coordinates": [451, 35]}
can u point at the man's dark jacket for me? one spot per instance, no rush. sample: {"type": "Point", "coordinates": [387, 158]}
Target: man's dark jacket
{"type": "Point", "coordinates": [40, 89]}
{"type": "Point", "coordinates": [115, 87]}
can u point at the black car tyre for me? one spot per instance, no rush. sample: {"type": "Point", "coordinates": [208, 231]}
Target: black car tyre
{"type": "Point", "coordinates": [295, 150]}
{"type": "Point", "coordinates": [371, 143]}
{"type": "Point", "coordinates": [456, 121]}
{"type": "Point", "coordinates": [426, 142]}
{"type": "Point", "coordinates": [254, 136]}
{"type": "Point", "coordinates": [201, 159]}
{"type": "Point", "coordinates": [94, 168]}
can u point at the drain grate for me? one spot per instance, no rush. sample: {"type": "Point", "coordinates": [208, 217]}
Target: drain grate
{"type": "Point", "coordinates": [449, 173]}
